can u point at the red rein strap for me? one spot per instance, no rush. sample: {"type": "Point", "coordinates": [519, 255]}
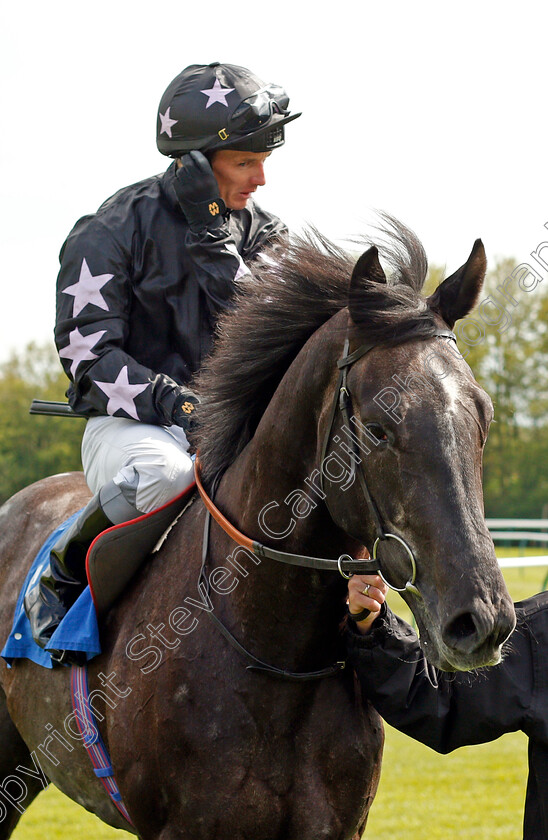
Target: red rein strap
{"type": "Point", "coordinates": [345, 564]}
{"type": "Point", "coordinates": [221, 520]}
{"type": "Point", "coordinates": [257, 664]}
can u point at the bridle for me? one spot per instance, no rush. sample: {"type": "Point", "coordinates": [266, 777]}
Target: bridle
{"type": "Point", "coordinates": [345, 564]}
{"type": "Point", "coordinates": [342, 403]}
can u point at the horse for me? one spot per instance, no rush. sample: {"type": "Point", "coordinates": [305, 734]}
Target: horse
{"type": "Point", "coordinates": [202, 743]}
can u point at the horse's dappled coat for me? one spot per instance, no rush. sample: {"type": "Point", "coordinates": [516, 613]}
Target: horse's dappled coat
{"type": "Point", "coordinates": [217, 751]}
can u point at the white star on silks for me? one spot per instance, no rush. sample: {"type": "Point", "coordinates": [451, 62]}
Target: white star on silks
{"type": "Point", "coordinates": [217, 94]}
{"type": "Point", "coordinates": [167, 122]}
{"type": "Point", "coordinates": [121, 395]}
{"type": "Point", "coordinates": [87, 290]}
{"type": "Point", "coordinates": [79, 348]}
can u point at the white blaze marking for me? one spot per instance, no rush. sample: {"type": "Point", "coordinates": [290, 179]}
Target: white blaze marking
{"type": "Point", "coordinates": [452, 390]}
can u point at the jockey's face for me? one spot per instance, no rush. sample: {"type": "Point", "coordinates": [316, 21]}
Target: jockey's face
{"type": "Point", "coordinates": [238, 175]}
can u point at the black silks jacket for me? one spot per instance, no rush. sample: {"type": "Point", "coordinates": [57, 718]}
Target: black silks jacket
{"type": "Point", "coordinates": [139, 293]}
{"type": "Point", "coordinates": [446, 711]}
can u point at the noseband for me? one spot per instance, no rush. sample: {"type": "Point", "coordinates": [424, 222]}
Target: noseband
{"type": "Point", "coordinates": [345, 564]}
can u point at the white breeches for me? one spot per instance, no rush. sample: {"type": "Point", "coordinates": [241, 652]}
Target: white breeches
{"type": "Point", "coordinates": [150, 464]}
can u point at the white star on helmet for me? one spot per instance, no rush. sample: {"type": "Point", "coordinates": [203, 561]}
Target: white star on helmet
{"type": "Point", "coordinates": [167, 122]}
{"type": "Point", "coordinates": [217, 94]}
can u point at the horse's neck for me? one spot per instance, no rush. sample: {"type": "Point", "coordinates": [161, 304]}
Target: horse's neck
{"type": "Point", "coordinates": [295, 609]}
{"type": "Point", "coordinates": [282, 459]}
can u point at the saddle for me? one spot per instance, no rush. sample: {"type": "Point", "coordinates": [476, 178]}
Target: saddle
{"type": "Point", "coordinates": [113, 559]}
{"type": "Point", "coordinates": [116, 554]}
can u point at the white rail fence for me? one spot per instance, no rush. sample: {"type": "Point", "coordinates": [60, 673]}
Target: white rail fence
{"type": "Point", "coordinates": [523, 532]}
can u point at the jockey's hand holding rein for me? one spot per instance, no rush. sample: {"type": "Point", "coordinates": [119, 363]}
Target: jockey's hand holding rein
{"type": "Point", "coordinates": [366, 592]}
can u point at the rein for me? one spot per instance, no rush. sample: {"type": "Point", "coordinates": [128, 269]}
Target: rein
{"type": "Point", "coordinates": [256, 664]}
{"type": "Point", "coordinates": [345, 565]}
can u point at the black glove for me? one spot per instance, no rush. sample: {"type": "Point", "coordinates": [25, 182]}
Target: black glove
{"type": "Point", "coordinates": [184, 411]}
{"type": "Point", "coordinates": [198, 193]}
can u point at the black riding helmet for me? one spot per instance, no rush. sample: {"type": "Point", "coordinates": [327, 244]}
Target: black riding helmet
{"type": "Point", "coordinates": [221, 106]}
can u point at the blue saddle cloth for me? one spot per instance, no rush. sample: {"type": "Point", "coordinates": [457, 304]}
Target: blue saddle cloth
{"type": "Point", "coordinates": [77, 631]}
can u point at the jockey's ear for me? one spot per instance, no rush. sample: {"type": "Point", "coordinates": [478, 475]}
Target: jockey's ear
{"type": "Point", "coordinates": [368, 268]}
{"type": "Point", "coordinates": [459, 293]}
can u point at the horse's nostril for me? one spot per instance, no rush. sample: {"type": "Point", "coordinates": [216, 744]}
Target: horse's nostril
{"type": "Point", "coordinates": [470, 630]}
{"type": "Point", "coordinates": [462, 633]}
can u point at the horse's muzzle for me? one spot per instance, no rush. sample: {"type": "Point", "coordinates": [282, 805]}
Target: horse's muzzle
{"type": "Point", "coordinates": [473, 638]}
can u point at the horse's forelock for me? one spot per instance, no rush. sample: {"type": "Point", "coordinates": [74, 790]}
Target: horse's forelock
{"type": "Point", "coordinates": [401, 249]}
{"type": "Point", "coordinates": [390, 314]}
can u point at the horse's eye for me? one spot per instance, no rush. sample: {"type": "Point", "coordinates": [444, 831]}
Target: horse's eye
{"type": "Point", "coordinates": [377, 431]}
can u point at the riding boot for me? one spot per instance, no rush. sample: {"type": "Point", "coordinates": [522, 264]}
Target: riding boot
{"type": "Point", "coordinates": [64, 578]}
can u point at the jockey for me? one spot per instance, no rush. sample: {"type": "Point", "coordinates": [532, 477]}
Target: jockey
{"type": "Point", "coordinates": [141, 285]}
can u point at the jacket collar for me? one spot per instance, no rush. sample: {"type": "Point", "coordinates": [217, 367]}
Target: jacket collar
{"type": "Point", "coordinates": [167, 185]}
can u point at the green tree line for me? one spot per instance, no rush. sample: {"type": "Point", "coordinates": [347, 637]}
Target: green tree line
{"type": "Point", "coordinates": [32, 447]}
{"type": "Point", "coordinates": [512, 365]}
{"type": "Point", "coordinates": [506, 347]}
{"type": "Point", "coordinates": [505, 342]}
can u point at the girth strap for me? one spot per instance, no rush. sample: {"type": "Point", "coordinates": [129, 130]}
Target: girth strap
{"type": "Point", "coordinates": [93, 742]}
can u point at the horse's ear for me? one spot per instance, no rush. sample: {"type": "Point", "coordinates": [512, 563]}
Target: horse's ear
{"type": "Point", "coordinates": [458, 294]}
{"type": "Point", "coordinates": [368, 267]}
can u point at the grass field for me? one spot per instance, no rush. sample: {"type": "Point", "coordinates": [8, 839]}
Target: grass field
{"type": "Point", "coordinates": [476, 792]}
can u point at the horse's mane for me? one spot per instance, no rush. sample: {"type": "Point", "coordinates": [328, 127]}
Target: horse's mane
{"type": "Point", "coordinates": [276, 310]}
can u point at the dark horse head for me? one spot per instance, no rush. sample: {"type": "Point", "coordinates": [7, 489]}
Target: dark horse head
{"type": "Point", "coordinates": [418, 424]}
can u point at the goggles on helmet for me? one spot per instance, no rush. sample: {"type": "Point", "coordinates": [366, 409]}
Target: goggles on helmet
{"type": "Point", "coordinates": [256, 110]}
